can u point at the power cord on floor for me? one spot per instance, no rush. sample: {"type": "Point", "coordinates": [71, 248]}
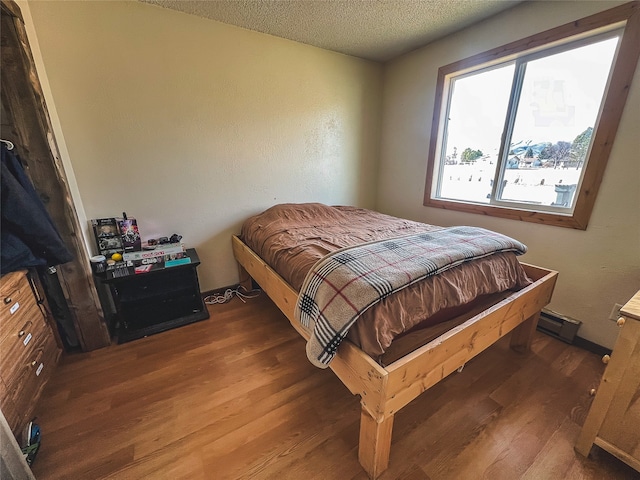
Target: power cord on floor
{"type": "Point", "coordinates": [228, 294]}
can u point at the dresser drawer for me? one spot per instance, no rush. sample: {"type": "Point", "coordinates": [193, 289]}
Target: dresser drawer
{"type": "Point", "coordinates": [17, 327]}
{"type": "Point", "coordinates": [29, 376]}
{"type": "Point", "coordinates": [19, 340]}
{"type": "Point", "coordinates": [20, 318]}
{"type": "Point", "coordinates": [15, 290]}
{"type": "Point", "coordinates": [17, 298]}
{"type": "Point", "coordinates": [9, 409]}
{"type": "Point", "coordinates": [17, 332]}
{"type": "Point", "coordinates": [28, 350]}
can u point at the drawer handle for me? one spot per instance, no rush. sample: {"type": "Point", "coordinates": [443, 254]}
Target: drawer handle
{"type": "Point", "coordinates": [620, 321]}
{"type": "Point", "coordinates": [38, 356]}
{"type": "Point", "coordinates": [7, 300]}
{"type": "Point", "coordinates": [39, 369]}
{"type": "Point", "coordinates": [22, 332]}
{"type": "Point", "coordinates": [606, 359]}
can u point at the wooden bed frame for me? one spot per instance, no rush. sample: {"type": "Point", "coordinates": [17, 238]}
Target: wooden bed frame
{"type": "Point", "coordinates": [385, 390]}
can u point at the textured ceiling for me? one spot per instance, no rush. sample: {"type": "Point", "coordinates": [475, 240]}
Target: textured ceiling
{"type": "Point", "coordinates": [373, 29]}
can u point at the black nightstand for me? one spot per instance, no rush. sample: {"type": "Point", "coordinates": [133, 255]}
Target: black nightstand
{"type": "Point", "coordinates": [155, 301]}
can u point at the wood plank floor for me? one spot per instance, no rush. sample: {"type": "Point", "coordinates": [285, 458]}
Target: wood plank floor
{"type": "Point", "coordinates": [234, 397]}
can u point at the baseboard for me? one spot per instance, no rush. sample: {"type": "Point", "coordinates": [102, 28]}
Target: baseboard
{"type": "Point", "coordinates": [219, 291]}
{"type": "Point", "coordinates": [591, 347]}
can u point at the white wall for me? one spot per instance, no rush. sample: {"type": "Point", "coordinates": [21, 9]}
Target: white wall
{"type": "Point", "coordinates": [598, 267]}
{"type": "Point", "coordinates": [191, 125]}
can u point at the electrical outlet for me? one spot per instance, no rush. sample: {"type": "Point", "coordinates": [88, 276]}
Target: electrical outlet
{"type": "Point", "coordinates": [615, 312]}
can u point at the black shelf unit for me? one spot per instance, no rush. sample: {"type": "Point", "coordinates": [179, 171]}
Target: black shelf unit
{"type": "Point", "coordinates": [156, 301]}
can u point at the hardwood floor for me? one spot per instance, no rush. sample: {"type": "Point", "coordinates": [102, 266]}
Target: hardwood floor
{"type": "Point", "coordinates": [234, 397]}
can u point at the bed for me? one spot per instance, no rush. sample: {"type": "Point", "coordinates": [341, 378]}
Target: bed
{"type": "Point", "coordinates": [388, 373]}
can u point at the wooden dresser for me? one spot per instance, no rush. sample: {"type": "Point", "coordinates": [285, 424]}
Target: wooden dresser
{"type": "Point", "coordinates": [613, 422]}
{"type": "Point", "coordinates": [28, 350]}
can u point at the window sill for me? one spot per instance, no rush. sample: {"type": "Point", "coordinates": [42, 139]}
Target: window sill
{"type": "Point", "coordinates": [544, 218]}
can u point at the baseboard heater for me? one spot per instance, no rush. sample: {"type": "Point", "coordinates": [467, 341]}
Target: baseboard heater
{"type": "Point", "coordinates": [558, 326]}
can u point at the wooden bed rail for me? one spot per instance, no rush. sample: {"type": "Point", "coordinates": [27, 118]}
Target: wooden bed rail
{"type": "Point", "coordinates": [414, 373]}
{"type": "Point", "coordinates": [384, 391]}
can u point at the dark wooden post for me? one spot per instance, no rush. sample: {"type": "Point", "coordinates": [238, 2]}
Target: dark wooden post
{"type": "Point", "coordinates": [23, 103]}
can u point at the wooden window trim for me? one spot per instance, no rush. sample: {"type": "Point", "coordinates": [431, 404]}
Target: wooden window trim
{"type": "Point", "coordinates": [613, 106]}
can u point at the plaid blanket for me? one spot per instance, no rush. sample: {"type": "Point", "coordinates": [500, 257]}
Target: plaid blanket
{"type": "Point", "coordinates": [347, 282]}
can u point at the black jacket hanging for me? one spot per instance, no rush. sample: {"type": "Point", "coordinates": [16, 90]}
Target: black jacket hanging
{"type": "Point", "coordinates": [28, 237]}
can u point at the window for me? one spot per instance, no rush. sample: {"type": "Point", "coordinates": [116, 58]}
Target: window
{"type": "Point", "coordinates": [524, 131]}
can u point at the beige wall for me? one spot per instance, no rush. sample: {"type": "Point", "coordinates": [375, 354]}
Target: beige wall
{"type": "Point", "coordinates": [191, 125]}
{"type": "Point", "coordinates": [598, 267]}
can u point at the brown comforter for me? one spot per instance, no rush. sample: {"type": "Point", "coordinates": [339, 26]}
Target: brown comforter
{"type": "Point", "coordinates": [292, 237]}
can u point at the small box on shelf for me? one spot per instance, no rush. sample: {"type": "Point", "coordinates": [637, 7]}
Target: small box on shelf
{"type": "Point", "coordinates": [116, 235]}
{"type": "Point", "coordinates": [107, 236]}
{"type": "Point", "coordinates": [131, 241]}
{"type": "Point", "coordinates": [159, 251]}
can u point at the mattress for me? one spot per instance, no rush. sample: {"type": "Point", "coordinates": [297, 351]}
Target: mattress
{"type": "Point", "coordinates": [291, 238]}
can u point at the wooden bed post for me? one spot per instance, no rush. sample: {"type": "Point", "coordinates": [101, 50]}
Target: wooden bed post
{"type": "Point", "coordinates": [245, 279]}
{"type": "Point", "coordinates": [522, 335]}
{"type": "Point", "coordinates": [375, 443]}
